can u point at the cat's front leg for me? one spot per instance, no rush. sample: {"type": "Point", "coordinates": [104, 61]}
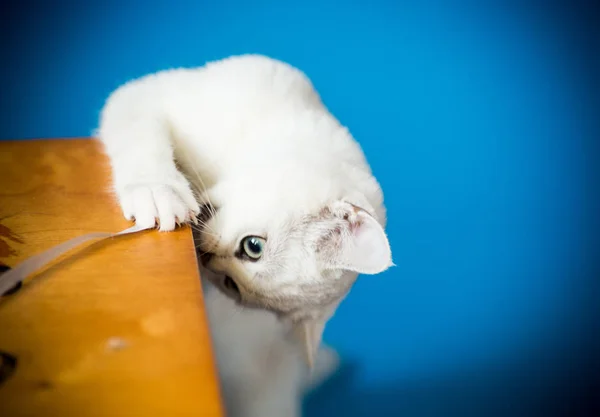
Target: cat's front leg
{"type": "Point", "coordinates": [148, 185]}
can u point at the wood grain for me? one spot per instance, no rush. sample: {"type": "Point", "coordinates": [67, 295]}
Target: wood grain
{"type": "Point", "coordinates": [113, 329]}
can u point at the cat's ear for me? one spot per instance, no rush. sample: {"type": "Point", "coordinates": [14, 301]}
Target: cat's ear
{"type": "Point", "coordinates": [309, 333]}
{"type": "Point", "coordinates": [356, 241]}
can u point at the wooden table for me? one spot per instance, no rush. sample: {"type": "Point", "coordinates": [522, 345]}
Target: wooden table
{"type": "Point", "coordinates": [113, 329]}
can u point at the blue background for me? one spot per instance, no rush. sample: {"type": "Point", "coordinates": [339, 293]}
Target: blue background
{"type": "Point", "coordinates": [481, 122]}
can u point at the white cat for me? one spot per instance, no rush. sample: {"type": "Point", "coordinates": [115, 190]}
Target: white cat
{"type": "Point", "coordinates": [289, 211]}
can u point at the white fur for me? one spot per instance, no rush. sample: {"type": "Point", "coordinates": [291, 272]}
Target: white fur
{"type": "Point", "coordinates": [251, 136]}
{"type": "Point", "coordinates": [260, 368]}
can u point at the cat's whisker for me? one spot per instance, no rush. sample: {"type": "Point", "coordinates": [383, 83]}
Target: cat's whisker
{"type": "Point", "coordinates": [198, 246]}
{"type": "Point", "coordinates": [204, 190]}
{"type": "Point", "coordinates": [202, 223]}
{"type": "Point", "coordinates": [203, 229]}
{"type": "Point", "coordinates": [203, 197]}
{"type": "Point", "coordinates": [206, 226]}
{"type": "Point", "coordinates": [215, 236]}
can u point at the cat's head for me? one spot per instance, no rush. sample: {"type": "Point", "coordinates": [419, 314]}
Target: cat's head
{"type": "Point", "coordinates": [299, 265]}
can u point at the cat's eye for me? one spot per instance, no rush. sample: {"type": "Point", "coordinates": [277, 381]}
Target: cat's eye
{"type": "Point", "coordinates": [253, 247]}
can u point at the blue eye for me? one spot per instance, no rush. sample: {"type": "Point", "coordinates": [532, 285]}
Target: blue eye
{"type": "Point", "coordinates": [253, 246]}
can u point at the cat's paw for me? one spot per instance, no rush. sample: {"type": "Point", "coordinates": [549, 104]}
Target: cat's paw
{"type": "Point", "coordinates": [167, 205]}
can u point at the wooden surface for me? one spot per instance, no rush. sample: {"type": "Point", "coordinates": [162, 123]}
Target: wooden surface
{"type": "Point", "coordinates": [113, 329]}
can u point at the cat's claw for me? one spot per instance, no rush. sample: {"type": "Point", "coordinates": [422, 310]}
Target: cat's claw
{"type": "Point", "coordinates": [162, 204]}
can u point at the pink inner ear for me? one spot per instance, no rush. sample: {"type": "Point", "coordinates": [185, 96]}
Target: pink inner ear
{"type": "Point", "coordinates": [369, 251]}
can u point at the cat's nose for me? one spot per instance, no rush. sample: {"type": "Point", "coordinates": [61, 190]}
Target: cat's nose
{"type": "Point", "coordinates": [205, 258]}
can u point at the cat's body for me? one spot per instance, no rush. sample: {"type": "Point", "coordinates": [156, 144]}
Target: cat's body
{"type": "Point", "coordinates": [261, 369]}
{"type": "Point", "coordinates": [291, 215]}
